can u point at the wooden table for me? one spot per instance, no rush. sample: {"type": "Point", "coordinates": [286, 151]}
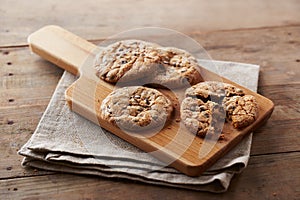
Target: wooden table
{"type": "Point", "coordinates": [267, 34]}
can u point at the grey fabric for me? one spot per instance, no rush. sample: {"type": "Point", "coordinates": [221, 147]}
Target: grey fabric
{"type": "Point", "coordinates": [67, 142]}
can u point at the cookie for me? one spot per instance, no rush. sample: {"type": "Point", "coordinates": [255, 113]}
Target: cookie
{"type": "Point", "coordinates": [218, 98]}
{"type": "Point", "coordinates": [136, 108]}
{"type": "Point", "coordinates": [202, 118]}
{"type": "Point", "coordinates": [178, 68]}
{"type": "Point", "coordinates": [241, 110]}
{"type": "Point", "coordinates": [126, 61]}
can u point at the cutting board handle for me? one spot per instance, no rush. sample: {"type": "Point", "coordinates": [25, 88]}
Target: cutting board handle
{"type": "Point", "coordinates": [61, 47]}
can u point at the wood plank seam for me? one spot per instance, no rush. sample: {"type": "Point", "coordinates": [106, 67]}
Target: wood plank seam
{"type": "Point", "coordinates": [30, 176]}
{"type": "Point", "coordinates": [194, 32]}
{"type": "Point", "coordinates": [275, 153]}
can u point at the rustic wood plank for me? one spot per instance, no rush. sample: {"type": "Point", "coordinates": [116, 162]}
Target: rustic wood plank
{"type": "Point", "coordinates": [26, 86]}
{"type": "Point", "coordinates": [274, 49]}
{"type": "Point", "coordinates": [94, 19]}
{"type": "Point", "coordinates": [276, 137]}
{"type": "Point", "coordinates": [267, 177]}
{"type": "Point", "coordinates": [281, 132]}
{"type": "Point", "coordinates": [20, 61]}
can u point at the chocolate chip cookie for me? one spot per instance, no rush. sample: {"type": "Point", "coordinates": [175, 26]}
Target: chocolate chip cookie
{"type": "Point", "coordinates": [136, 108]}
{"type": "Point", "coordinates": [213, 99]}
{"type": "Point", "coordinates": [127, 60]}
{"type": "Point", "coordinates": [202, 118]}
{"type": "Point", "coordinates": [241, 110]}
{"type": "Point", "coordinates": [131, 60]}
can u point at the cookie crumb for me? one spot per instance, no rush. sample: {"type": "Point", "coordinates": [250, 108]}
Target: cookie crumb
{"type": "Point", "coordinates": [222, 137]}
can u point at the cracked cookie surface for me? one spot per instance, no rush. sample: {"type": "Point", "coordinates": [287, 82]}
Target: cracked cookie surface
{"type": "Point", "coordinates": [178, 68]}
{"type": "Point", "coordinates": [131, 60]}
{"type": "Point", "coordinates": [213, 90]}
{"type": "Point", "coordinates": [127, 60]}
{"type": "Point", "coordinates": [202, 118]}
{"type": "Point", "coordinates": [136, 108]}
{"type": "Point", "coordinates": [240, 109]}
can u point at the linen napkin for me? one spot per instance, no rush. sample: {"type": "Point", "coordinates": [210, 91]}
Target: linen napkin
{"type": "Point", "coordinates": [66, 142]}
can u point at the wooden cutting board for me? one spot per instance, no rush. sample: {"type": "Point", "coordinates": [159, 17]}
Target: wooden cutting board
{"type": "Point", "coordinates": [173, 144]}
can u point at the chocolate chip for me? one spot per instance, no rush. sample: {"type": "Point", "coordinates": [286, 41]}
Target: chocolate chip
{"type": "Point", "coordinates": [15, 189]}
{"type": "Point", "coordinates": [147, 101]}
{"type": "Point", "coordinates": [10, 74]}
{"type": "Point", "coordinates": [202, 108]}
{"type": "Point", "coordinates": [8, 63]}
{"type": "Point", "coordinates": [8, 168]}
{"type": "Point", "coordinates": [203, 98]}
{"type": "Point", "coordinates": [11, 100]}
{"type": "Point", "coordinates": [10, 122]}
